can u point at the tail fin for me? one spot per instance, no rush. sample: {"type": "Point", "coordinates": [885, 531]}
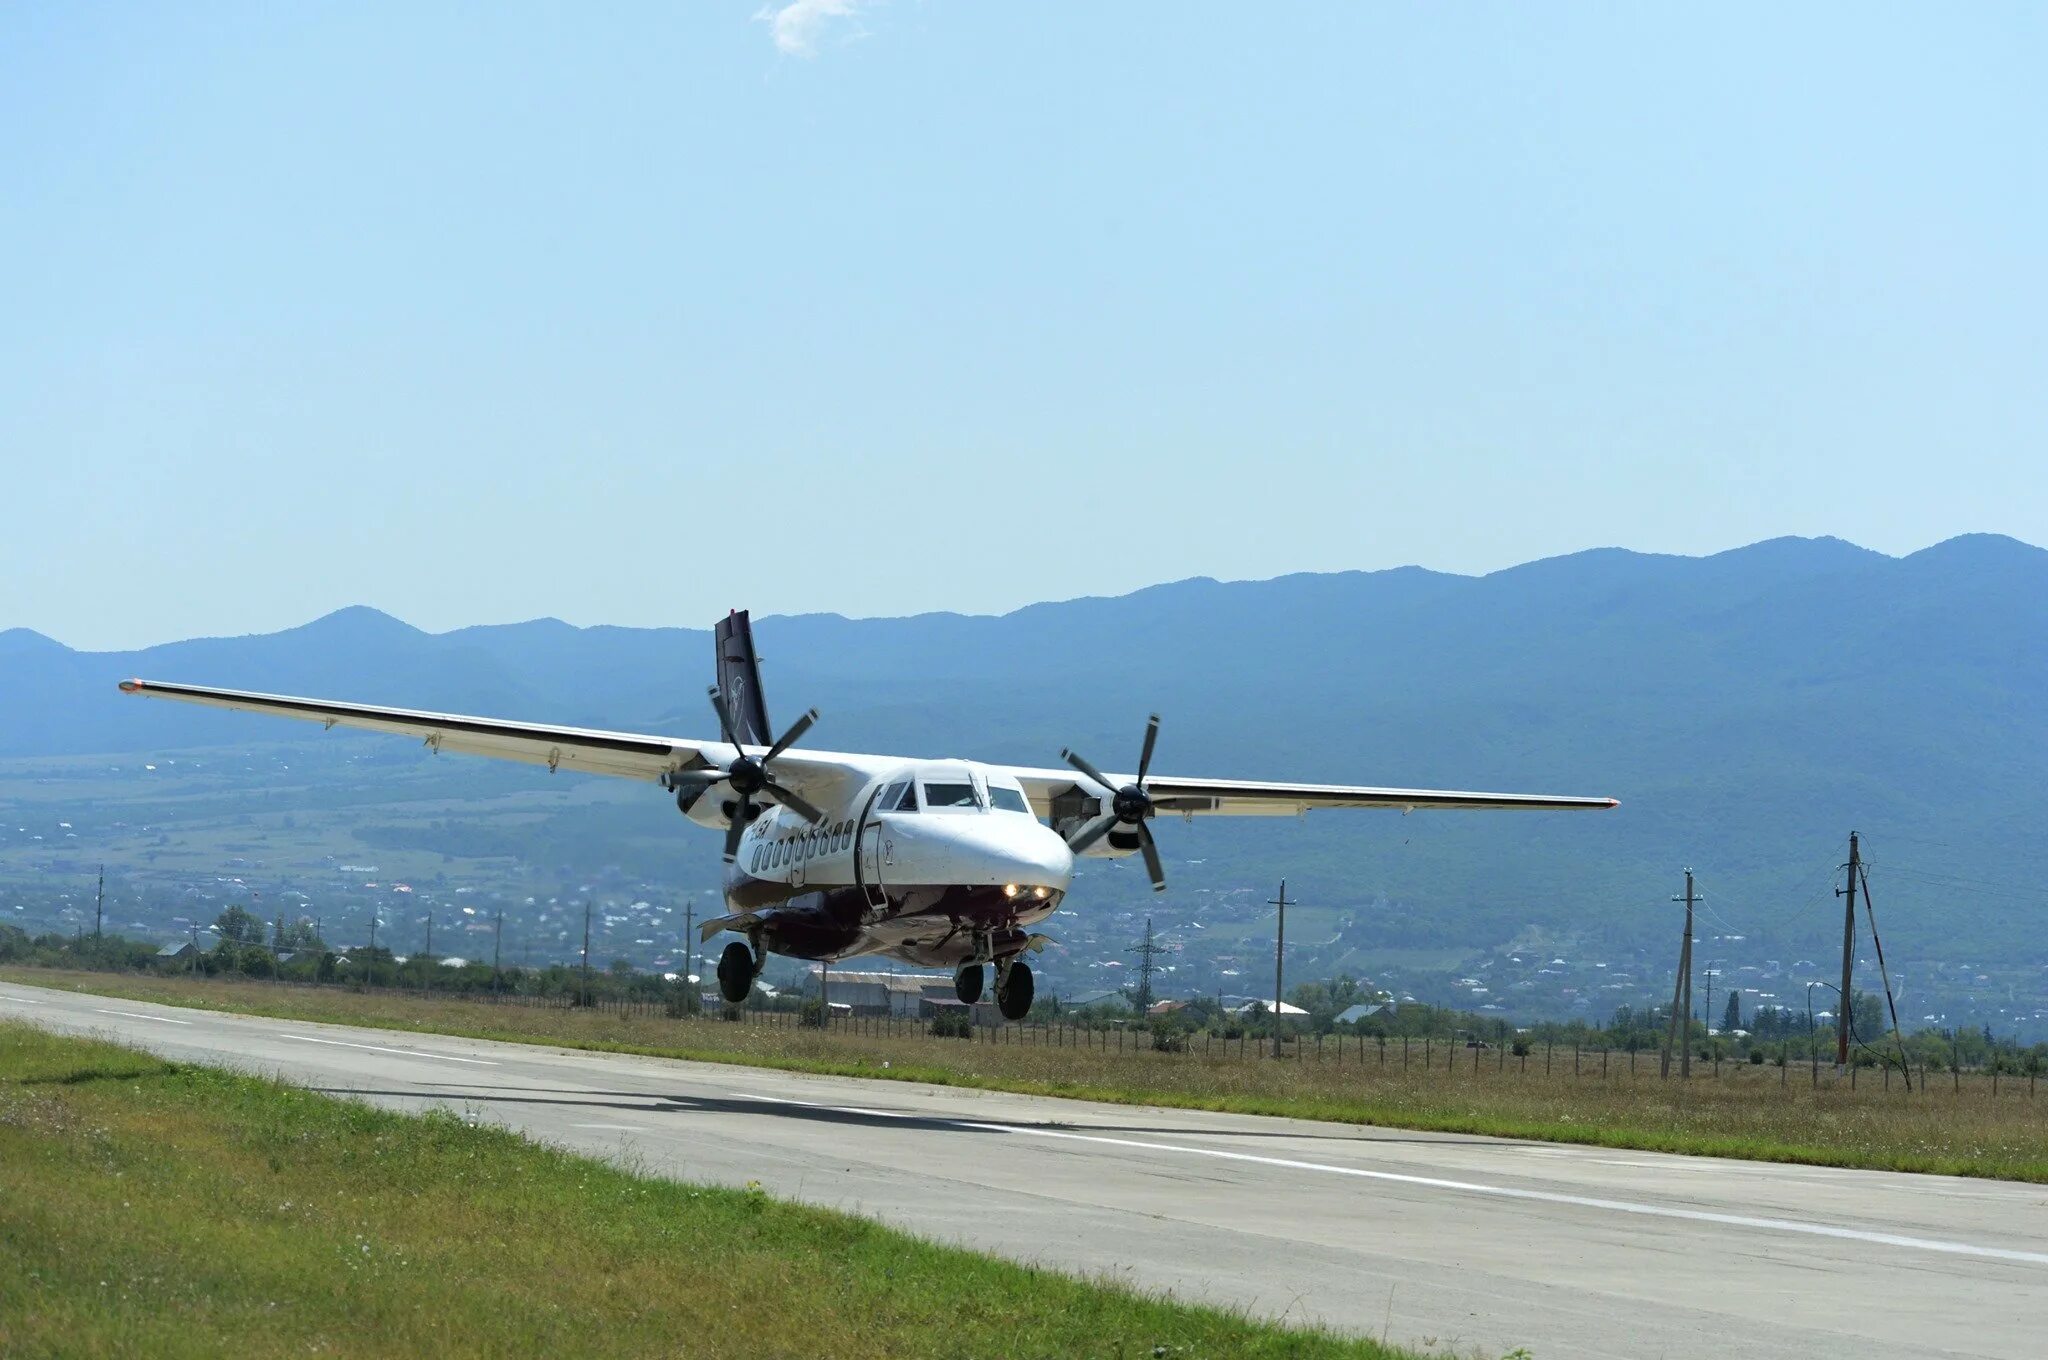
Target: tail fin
{"type": "Point", "coordinates": [739, 680]}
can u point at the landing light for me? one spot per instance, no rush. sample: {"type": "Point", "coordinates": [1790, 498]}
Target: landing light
{"type": "Point", "coordinates": [1009, 890]}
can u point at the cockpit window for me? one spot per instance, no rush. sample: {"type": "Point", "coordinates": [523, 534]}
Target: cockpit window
{"type": "Point", "coordinates": [1008, 800]}
{"type": "Point", "coordinates": [950, 795]}
{"type": "Point", "coordinates": [901, 797]}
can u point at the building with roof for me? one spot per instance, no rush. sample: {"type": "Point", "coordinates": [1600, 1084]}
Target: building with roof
{"type": "Point", "coordinates": [882, 993]}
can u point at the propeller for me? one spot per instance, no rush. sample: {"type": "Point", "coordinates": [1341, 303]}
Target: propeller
{"type": "Point", "coordinates": [749, 776]}
{"type": "Point", "coordinates": [1129, 805]}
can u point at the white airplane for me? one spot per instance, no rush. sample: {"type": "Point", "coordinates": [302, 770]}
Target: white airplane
{"type": "Point", "coordinates": [939, 863]}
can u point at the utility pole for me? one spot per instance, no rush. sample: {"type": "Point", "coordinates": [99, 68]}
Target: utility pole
{"type": "Point", "coordinates": [1855, 867]}
{"type": "Point", "coordinates": [99, 899]}
{"type": "Point", "coordinates": [1707, 1012]}
{"type": "Point", "coordinates": [689, 943]}
{"type": "Point", "coordinates": [497, 950]}
{"type": "Point", "coordinates": [1279, 961]}
{"type": "Point", "coordinates": [194, 969]}
{"type": "Point", "coordinates": [370, 971]}
{"type": "Point", "coordinates": [586, 951]}
{"type": "Point", "coordinates": [427, 959]}
{"type": "Point", "coordinates": [1679, 1030]}
{"type": "Point", "coordinates": [1146, 952]}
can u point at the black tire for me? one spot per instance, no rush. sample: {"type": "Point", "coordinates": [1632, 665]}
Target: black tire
{"type": "Point", "coordinates": [967, 983]}
{"type": "Point", "coordinates": [1015, 991]}
{"type": "Point", "coordinates": [736, 973]}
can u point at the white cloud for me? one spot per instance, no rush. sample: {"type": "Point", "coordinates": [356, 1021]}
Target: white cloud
{"type": "Point", "coordinates": [795, 26]}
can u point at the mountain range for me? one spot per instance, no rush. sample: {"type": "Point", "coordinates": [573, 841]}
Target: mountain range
{"type": "Point", "coordinates": [1748, 709]}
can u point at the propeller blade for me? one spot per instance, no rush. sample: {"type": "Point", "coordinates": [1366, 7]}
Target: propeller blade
{"type": "Point", "coordinates": [741, 815]}
{"type": "Point", "coordinates": [1152, 865]}
{"type": "Point", "coordinates": [1145, 756]}
{"type": "Point", "coordinates": [789, 738]}
{"type": "Point", "coordinates": [794, 801]}
{"type": "Point", "coordinates": [1080, 762]}
{"type": "Point", "coordinates": [724, 719]}
{"type": "Point", "coordinates": [1091, 833]}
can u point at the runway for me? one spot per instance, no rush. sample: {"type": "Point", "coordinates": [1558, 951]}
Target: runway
{"type": "Point", "coordinates": [1458, 1243]}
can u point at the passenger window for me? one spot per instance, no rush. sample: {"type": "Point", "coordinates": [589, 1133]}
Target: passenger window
{"type": "Point", "coordinates": [1008, 800]}
{"type": "Point", "coordinates": [950, 796]}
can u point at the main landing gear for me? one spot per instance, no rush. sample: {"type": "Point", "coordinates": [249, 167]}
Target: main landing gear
{"type": "Point", "coordinates": [967, 983]}
{"type": "Point", "coordinates": [1014, 988]}
{"type": "Point", "coordinates": [738, 966]}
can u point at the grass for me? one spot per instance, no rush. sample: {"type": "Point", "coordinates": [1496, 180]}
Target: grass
{"type": "Point", "coordinates": [1745, 1112]}
{"type": "Point", "coordinates": [151, 1208]}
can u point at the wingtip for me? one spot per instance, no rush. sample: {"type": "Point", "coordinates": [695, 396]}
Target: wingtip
{"type": "Point", "coordinates": [131, 687]}
{"type": "Point", "coordinates": [1614, 802]}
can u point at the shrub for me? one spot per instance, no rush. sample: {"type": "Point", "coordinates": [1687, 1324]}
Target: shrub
{"type": "Point", "coordinates": [948, 1023]}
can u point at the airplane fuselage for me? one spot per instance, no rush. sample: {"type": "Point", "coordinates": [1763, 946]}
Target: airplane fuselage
{"type": "Point", "coordinates": [938, 863]}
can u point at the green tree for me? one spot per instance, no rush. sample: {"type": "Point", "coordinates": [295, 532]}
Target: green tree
{"type": "Point", "coordinates": [239, 925]}
{"type": "Point", "coordinates": [1731, 1019]}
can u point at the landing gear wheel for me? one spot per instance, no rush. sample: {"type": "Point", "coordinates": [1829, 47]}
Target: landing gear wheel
{"type": "Point", "coordinates": [736, 972]}
{"type": "Point", "coordinates": [1014, 990]}
{"type": "Point", "coordinates": [967, 983]}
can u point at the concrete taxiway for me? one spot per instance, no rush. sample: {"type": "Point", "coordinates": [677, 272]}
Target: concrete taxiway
{"type": "Point", "coordinates": [1461, 1244]}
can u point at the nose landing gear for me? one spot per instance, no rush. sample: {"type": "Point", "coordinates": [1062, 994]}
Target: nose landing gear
{"type": "Point", "coordinates": [1014, 988]}
{"type": "Point", "coordinates": [967, 983]}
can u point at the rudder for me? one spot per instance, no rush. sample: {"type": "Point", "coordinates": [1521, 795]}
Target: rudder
{"type": "Point", "coordinates": [739, 680]}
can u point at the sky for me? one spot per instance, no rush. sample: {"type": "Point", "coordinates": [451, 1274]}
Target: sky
{"type": "Point", "coordinates": [633, 313]}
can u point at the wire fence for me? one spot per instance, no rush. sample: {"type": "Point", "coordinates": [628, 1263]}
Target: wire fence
{"type": "Point", "coordinates": [1382, 1053]}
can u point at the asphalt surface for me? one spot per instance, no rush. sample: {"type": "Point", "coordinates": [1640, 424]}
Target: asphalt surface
{"type": "Point", "coordinates": [1464, 1245]}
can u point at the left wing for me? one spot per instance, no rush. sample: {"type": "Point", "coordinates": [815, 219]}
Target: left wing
{"type": "Point", "coordinates": [1258, 798]}
{"type": "Point", "coordinates": [819, 775]}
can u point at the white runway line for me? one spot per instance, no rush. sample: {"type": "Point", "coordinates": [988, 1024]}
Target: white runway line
{"type": "Point", "coordinates": [1474, 1187]}
{"type": "Point", "coordinates": [378, 1048]}
{"type": "Point", "coordinates": [138, 1015]}
{"type": "Point", "coordinates": [612, 1128]}
{"type": "Point", "coordinates": [1554, 1197]}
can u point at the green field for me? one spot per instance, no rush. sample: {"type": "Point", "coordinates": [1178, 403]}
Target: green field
{"type": "Point", "coordinates": [1963, 1126]}
{"type": "Point", "coordinates": [149, 1208]}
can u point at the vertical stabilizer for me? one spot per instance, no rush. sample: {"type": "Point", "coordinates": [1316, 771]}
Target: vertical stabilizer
{"type": "Point", "coordinates": [739, 680]}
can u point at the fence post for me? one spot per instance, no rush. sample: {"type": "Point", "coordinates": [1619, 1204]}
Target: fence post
{"type": "Point", "coordinates": [1546, 1057]}
{"type": "Point", "coordinates": [1575, 1057]}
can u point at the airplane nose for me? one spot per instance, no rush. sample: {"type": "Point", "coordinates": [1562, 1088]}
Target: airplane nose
{"type": "Point", "coordinates": [1043, 860]}
{"type": "Point", "coordinates": [995, 850]}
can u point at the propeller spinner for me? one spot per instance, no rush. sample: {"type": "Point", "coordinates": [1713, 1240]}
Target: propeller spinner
{"type": "Point", "coordinates": [1129, 805]}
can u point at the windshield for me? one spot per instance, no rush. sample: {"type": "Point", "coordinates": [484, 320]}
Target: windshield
{"type": "Point", "coordinates": [1007, 800]}
{"type": "Point", "coordinates": [950, 795]}
{"type": "Point", "coordinates": [900, 796]}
